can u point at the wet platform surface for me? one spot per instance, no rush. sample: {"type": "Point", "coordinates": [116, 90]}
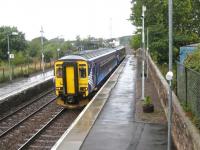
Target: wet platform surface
{"type": "Point", "coordinates": [108, 123]}
{"type": "Point", "coordinates": [116, 128]}
{"type": "Point", "coordinates": [16, 86]}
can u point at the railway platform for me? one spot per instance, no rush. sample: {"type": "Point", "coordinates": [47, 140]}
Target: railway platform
{"type": "Point", "coordinates": [18, 91]}
{"type": "Point", "coordinates": [110, 120]}
{"type": "Point", "coordinates": [19, 85]}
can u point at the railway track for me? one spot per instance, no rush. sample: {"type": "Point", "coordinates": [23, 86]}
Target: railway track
{"type": "Point", "coordinates": [14, 119]}
{"type": "Point", "coordinates": [48, 135]}
{"type": "Point", "coordinates": [15, 125]}
{"type": "Point", "coordinates": [36, 125]}
{"type": "Point", "coordinates": [23, 106]}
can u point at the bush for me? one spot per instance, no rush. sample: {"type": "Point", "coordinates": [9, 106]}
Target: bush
{"type": "Point", "coordinates": [48, 55]}
{"type": "Point", "coordinates": [20, 58]}
{"type": "Point", "coordinates": [135, 41]}
{"type": "Point", "coordinates": [147, 100]}
{"type": "Point", "coordinates": [193, 60]}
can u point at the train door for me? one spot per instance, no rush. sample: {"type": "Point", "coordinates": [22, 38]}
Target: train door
{"type": "Point", "coordinates": [70, 79]}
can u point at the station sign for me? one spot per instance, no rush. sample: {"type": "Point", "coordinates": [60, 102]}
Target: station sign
{"type": "Point", "coordinates": [12, 56]}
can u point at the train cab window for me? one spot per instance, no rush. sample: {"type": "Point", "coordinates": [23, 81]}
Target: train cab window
{"type": "Point", "coordinates": [59, 72]}
{"type": "Point", "coordinates": [82, 72]}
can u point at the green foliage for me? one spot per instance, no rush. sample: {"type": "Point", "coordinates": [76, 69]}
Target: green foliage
{"type": "Point", "coordinates": [193, 60]}
{"type": "Point", "coordinates": [67, 48]}
{"type": "Point", "coordinates": [187, 108]}
{"type": "Point", "coordinates": [20, 58]}
{"type": "Point", "coordinates": [34, 47]}
{"type": "Point", "coordinates": [50, 48]}
{"type": "Point", "coordinates": [88, 43]}
{"type": "Point", "coordinates": [196, 121]}
{"type": "Point", "coordinates": [17, 42]}
{"type": "Point", "coordinates": [185, 23]}
{"type": "Point", "coordinates": [147, 100]}
{"type": "Point", "coordinates": [135, 41]}
{"type": "Point", "coordinates": [48, 55]}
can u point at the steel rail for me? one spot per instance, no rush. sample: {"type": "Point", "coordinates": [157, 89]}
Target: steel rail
{"type": "Point", "coordinates": [28, 143]}
{"type": "Point", "coordinates": [26, 105]}
{"type": "Point", "coordinates": [17, 124]}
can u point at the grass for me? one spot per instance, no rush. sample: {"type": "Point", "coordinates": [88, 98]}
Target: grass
{"type": "Point", "coordinates": [21, 70]}
{"type": "Point", "coordinates": [188, 111]}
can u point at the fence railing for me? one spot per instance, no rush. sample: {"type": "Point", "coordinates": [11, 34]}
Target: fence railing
{"type": "Point", "coordinates": [23, 70]}
{"type": "Point", "coordinates": [188, 88]}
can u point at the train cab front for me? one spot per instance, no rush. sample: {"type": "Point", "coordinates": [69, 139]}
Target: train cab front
{"type": "Point", "coordinates": [71, 83]}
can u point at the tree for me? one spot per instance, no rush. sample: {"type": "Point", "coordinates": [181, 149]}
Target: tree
{"type": "Point", "coordinates": [195, 17]}
{"type": "Point", "coordinates": [78, 42]}
{"type": "Point", "coordinates": [185, 23]}
{"type": "Point", "coordinates": [67, 48]}
{"type": "Point", "coordinates": [35, 47]}
{"type": "Point", "coordinates": [193, 60]}
{"type": "Point", "coordinates": [17, 43]}
{"type": "Point", "coordinates": [136, 41]}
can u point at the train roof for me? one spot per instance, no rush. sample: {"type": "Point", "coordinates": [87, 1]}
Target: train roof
{"type": "Point", "coordinates": [89, 55]}
{"type": "Point", "coordinates": [93, 54]}
{"type": "Point", "coordinates": [72, 57]}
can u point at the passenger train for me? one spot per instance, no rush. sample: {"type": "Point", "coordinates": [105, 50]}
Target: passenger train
{"type": "Point", "coordinates": [77, 76]}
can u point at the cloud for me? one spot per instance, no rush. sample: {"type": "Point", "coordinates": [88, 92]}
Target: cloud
{"type": "Point", "coordinates": [67, 17]}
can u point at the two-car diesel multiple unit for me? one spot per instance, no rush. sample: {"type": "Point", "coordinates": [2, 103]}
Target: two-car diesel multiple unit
{"type": "Point", "coordinates": [77, 76]}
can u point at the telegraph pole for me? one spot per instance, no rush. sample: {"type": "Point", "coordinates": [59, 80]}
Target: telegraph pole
{"type": "Point", "coordinates": [10, 72]}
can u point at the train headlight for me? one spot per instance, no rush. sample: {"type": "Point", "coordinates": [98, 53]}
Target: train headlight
{"type": "Point", "coordinates": [83, 89]}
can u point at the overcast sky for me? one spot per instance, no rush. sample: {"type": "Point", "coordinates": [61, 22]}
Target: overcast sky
{"type": "Point", "coordinates": [98, 18]}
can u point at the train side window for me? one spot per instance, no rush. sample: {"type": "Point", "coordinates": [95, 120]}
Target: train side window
{"type": "Point", "coordinates": [82, 72]}
{"type": "Point", "coordinates": [59, 72]}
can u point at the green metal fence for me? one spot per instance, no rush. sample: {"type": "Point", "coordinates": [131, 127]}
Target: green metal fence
{"type": "Point", "coordinates": [188, 88]}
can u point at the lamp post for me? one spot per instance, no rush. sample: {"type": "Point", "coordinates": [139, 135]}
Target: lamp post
{"type": "Point", "coordinates": [169, 75]}
{"type": "Point", "coordinates": [42, 52]}
{"type": "Point", "coordinates": [147, 52]}
{"type": "Point", "coordinates": [9, 55]}
{"type": "Point", "coordinates": [143, 49]}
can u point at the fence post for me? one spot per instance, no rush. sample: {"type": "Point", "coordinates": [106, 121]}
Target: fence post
{"type": "Point", "coordinates": [186, 87]}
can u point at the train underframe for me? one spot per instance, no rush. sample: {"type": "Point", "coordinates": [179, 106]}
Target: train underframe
{"type": "Point", "coordinates": [72, 102]}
